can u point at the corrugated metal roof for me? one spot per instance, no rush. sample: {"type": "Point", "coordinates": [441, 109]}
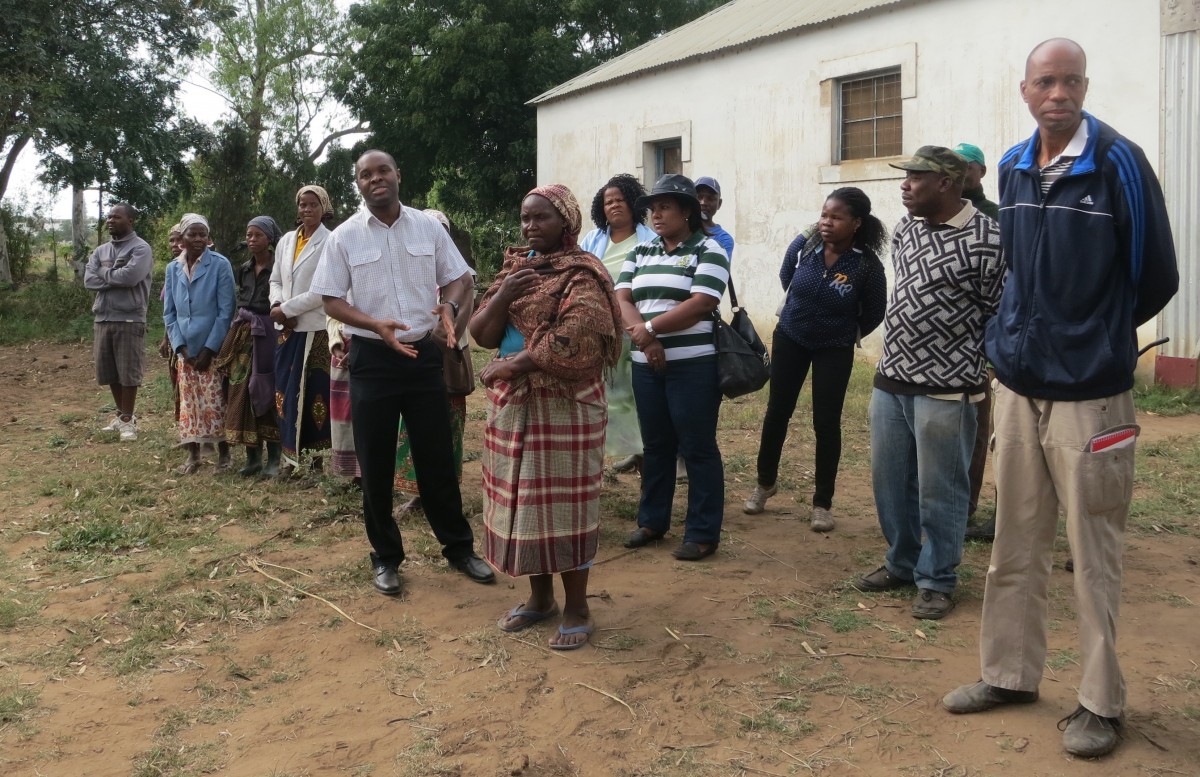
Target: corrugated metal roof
{"type": "Point", "coordinates": [734, 24]}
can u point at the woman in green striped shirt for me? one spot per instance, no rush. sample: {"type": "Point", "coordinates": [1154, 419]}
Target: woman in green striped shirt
{"type": "Point", "coordinates": [668, 289]}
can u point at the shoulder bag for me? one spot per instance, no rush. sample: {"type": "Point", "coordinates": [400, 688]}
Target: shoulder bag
{"type": "Point", "coordinates": [743, 364]}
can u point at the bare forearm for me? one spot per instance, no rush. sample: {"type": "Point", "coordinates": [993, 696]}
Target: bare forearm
{"type": "Point", "coordinates": [487, 325]}
{"type": "Point", "coordinates": [340, 309]}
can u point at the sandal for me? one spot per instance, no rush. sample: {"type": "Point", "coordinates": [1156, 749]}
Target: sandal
{"type": "Point", "coordinates": [188, 468]}
{"type": "Point", "coordinates": [532, 617]}
{"type": "Point", "coordinates": [642, 537]}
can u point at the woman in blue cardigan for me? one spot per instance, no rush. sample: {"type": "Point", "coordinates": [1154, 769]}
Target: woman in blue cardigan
{"type": "Point", "coordinates": [197, 309]}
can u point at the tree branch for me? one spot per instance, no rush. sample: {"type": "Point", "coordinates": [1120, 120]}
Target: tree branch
{"type": "Point", "coordinates": [10, 160]}
{"type": "Point", "coordinates": [362, 128]}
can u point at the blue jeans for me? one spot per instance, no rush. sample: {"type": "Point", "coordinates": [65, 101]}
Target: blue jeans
{"type": "Point", "coordinates": [677, 410]}
{"type": "Point", "coordinates": [920, 457]}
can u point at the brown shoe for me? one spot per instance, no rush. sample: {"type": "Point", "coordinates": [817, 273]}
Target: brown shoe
{"type": "Point", "coordinates": [979, 696]}
{"type": "Point", "coordinates": [932, 605]}
{"type": "Point", "coordinates": [881, 580]}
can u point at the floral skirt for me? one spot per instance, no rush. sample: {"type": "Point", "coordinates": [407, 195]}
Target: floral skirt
{"type": "Point", "coordinates": [201, 405]}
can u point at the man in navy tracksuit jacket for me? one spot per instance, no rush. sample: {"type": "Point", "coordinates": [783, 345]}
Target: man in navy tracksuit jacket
{"type": "Point", "coordinates": [1085, 230]}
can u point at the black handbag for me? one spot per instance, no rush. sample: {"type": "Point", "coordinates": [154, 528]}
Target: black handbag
{"type": "Point", "coordinates": [743, 363]}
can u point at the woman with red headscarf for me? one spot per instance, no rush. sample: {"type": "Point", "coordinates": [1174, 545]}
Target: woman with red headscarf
{"type": "Point", "coordinates": [553, 315]}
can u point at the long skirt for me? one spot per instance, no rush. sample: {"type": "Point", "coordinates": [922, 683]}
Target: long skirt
{"type": "Point", "coordinates": [302, 392]}
{"type": "Point", "coordinates": [406, 474]}
{"type": "Point", "coordinates": [543, 463]}
{"type": "Point", "coordinates": [624, 435]}
{"type": "Point", "coordinates": [344, 461]}
{"type": "Point", "coordinates": [201, 405]}
{"type": "Point", "coordinates": [243, 426]}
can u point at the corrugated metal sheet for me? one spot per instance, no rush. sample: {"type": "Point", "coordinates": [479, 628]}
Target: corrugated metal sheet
{"type": "Point", "coordinates": [1181, 187]}
{"type": "Point", "coordinates": [734, 24]}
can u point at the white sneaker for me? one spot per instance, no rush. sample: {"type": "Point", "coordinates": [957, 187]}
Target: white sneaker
{"type": "Point", "coordinates": [114, 425]}
{"type": "Point", "coordinates": [758, 499]}
{"type": "Point", "coordinates": [822, 520]}
{"type": "Point", "coordinates": [128, 429]}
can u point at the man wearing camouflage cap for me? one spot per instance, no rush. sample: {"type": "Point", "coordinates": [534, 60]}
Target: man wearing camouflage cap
{"type": "Point", "coordinates": [949, 270]}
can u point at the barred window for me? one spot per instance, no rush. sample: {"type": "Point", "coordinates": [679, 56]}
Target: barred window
{"type": "Point", "coordinates": [869, 115]}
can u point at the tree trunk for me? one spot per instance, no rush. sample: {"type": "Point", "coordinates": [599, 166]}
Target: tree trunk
{"type": "Point", "coordinates": [79, 234]}
{"type": "Point", "coordinates": [6, 278]}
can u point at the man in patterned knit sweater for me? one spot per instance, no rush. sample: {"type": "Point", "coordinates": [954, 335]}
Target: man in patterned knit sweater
{"type": "Point", "coordinates": [949, 270]}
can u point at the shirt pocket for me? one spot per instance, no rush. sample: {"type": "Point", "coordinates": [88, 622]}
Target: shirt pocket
{"type": "Point", "coordinates": [419, 250]}
{"type": "Point", "coordinates": [364, 259]}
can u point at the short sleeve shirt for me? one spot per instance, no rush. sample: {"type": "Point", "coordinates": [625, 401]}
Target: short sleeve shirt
{"type": "Point", "coordinates": [394, 272]}
{"type": "Point", "coordinates": [659, 281]}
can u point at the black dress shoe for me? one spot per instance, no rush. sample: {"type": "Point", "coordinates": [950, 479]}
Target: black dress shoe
{"type": "Point", "coordinates": [641, 537]}
{"type": "Point", "coordinates": [694, 551]}
{"type": "Point", "coordinates": [387, 579]}
{"type": "Point", "coordinates": [475, 568]}
{"type": "Point", "coordinates": [982, 532]}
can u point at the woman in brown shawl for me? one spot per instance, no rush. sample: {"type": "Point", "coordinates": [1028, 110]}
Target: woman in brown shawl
{"type": "Point", "coordinates": [553, 315]}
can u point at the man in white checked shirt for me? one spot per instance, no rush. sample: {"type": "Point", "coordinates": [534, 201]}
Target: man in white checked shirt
{"type": "Point", "coordinates": [392, 260]}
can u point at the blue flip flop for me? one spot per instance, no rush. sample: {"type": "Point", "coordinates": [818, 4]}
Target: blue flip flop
{"type": "Point", "coordinates": [531, 617]}
{"type": "Point", "coordinates": [584, 629]}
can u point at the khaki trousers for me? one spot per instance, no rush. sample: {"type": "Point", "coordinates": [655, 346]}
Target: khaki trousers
{"type": "Point", "coordinates": [1041, 461]}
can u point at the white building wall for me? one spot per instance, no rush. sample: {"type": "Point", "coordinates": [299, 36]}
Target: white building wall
{"type": "Point", "coordinates": [760, 124]}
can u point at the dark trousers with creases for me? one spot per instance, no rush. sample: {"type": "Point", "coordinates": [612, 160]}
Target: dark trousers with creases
{"type": "Point", "coordinates": [983, 434]}
{"type": "Point", "coordinates": [831, 369]}
{"type": "Point", "coordinates": [386, 385]}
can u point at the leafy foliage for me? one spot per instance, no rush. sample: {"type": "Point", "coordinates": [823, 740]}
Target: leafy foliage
{"type": "Point", "coordinates": [444, 83]}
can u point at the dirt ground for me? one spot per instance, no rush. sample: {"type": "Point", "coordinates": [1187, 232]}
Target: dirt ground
{"type": "Point", "coordinates": [758, 661]}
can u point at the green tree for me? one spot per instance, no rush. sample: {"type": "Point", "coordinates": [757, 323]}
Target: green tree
{"type": "Point", "coordinates": [272, 60]}
{"type": "Point", "coordinates": [443, 83]}
{"type": "Point", "coordinates": [64, 63]}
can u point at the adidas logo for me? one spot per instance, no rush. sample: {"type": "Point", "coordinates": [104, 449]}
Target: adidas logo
{"type": "Point", "coordinates": [1087, 200]}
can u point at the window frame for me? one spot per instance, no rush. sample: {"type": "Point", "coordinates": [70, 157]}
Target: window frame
{"type": "Point", "coordinates": [839, 149]}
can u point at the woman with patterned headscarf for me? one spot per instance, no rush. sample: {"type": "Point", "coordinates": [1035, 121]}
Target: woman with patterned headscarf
{"type": "Point", "coordinates": [247, 356]}
{"type": "Point", "coordinates": [553, 315]}
{"type": "Point", "coordinates": [302, 350]}
{"type": "Point", "coordinates": [197, 310]}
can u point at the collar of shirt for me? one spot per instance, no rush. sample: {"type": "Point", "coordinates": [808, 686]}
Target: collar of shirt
{"type": "Point", "coordinates": [958, 220]}
{"type": "Point", "coordinates": [1075, 147]}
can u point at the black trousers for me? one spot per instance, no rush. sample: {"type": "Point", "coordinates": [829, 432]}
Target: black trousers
{"type": "Point", "coordinates": [384, 386]}
{"type": "Point", "coordinates": [831, 375]}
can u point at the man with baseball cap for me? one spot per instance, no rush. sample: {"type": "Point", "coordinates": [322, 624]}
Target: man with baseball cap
{"type": "Point", "coordinates": [949, 270]}
{"type": "Point", "coordinates": [973, 183]}
{"type": "Point", "coordinates": [709, 193]}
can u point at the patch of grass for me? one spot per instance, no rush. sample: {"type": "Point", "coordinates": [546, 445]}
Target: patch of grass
{"type": "Point", "coordinates": [1062, 659]}
{"type": "Point", "coordinates": [13, 610]}
{"type": "Point", "coordinates": [103, 535]}
{"type": "Point", "coordinates": [46, 310]}
{"type": "Point", "coordinates": [56, 440]}
{"type": "Point", "coordinates": [1163, 400]}
{"type": "Point", "coordinates": [766, 720]}
{"type": "Point", "coordinates": [16, 703]}
{"type": "Point", "coordinates": [844, 621]}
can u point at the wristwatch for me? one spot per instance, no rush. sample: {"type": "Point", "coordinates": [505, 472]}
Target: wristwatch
{"type": "Point", "coordinates": [650, 329]}
{"type": "Point", "coordinates": [454, 306]}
